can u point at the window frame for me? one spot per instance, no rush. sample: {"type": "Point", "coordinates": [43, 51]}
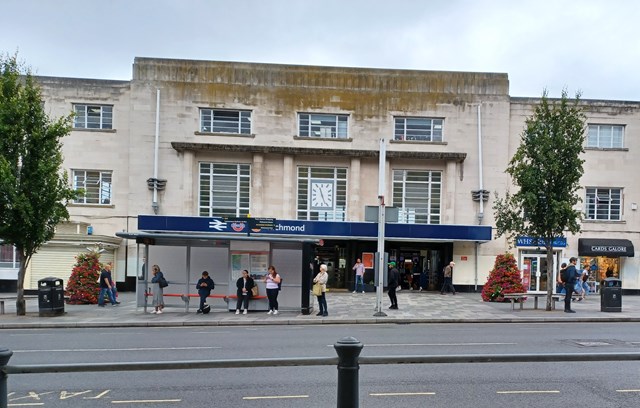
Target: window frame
{"type": "Point", "coordinates": [339, 130]}
{"type": "Point", "coordinates": [102, 190]}
{"type": "Point", "coordinates": [241, 186]}
{"type": "Point", "coordinates": [243, 124]}
{"type": "Point", "coordinates": [404, 127]}
{"type": "Point", "coordinates": [102, 124]}
{"type": "Point", "coordinates": [598, 139]}
{"type": "Point", "coordinates": [601, 201]}
{"type": "Point", "coordinates": [338, 177]}
{"type": "Point", "coordinates": [401, 193]}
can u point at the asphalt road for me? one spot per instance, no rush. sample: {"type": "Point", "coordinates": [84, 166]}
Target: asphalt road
{"type": "Point", "coordinates": [602, 384]}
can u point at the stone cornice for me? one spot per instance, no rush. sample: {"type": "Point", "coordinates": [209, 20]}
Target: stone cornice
{"type": "Point", "coordinates": [310, 151]}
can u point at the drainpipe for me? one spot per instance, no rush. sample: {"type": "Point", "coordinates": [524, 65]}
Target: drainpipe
{"type": "Point", "coordinates": [154, 203]}
{"type": "Point", "coordinates": [480, 190]}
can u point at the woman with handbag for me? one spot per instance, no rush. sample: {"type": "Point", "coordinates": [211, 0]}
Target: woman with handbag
{"type": "Point", "coordinates": [245, 285]}
{"type": "Point", "coordinates": [320, 289]}
{"type": "Point", "coordinates": [157, 289]}
{"type": "Point", "coordinates": [273, 282]}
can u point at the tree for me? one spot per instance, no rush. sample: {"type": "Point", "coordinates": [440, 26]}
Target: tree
{"type": "Point", "coordinates": [504, 278]}
{"type": "Point", "coordinates": [546, 168]}
{"type": "Point", "coordinates": [33, 189]}
{"type": "Point", "coordinates": [83, 286]}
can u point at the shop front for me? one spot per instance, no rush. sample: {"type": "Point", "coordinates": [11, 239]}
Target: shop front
{"type": "Point", "coordinates": [603, 258]}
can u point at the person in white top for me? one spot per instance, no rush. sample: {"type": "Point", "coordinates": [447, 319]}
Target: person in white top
{"type": "Point", "coordinates": [321, 279]}
{"type": "Point", "coordinates": [359, 268]}
{"type": "Point", "coordinates": [273, 288]}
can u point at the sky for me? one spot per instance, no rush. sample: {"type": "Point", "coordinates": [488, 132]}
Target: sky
{"type": "Point", "coordinates": [586, 46]}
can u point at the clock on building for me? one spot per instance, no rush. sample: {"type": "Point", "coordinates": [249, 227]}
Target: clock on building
{"type": "Point", "coordinates": [321, 195]}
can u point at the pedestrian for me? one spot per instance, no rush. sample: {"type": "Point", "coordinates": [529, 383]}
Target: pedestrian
{"type": "Point", "coordinates": [158, 300]}
{"type": "Point", "coordinates": [559, 283]}
{"type": "Point", "coordinates": [273, 288]}
{"type": "Point", "coordinates": [105, 286]}
{"type": "Point", "coordinates": [448, 279]}
{"type": "Point", "coordinates": [582, 281]}
{"type": "Point", "coordinates": [244, 284]}
{"type": "Point", "coordinates": [114, 289]}
{"type": "Point", "coordinates": [392, 284]}
{"type": "Point", "coordinates": [204, 285]}
{"type": "Point", "coordinates": [359, 268]}
{"type": "Point", "coordinates": [570, 275]}
{"type": "Point", "coordinates": [321, 279]}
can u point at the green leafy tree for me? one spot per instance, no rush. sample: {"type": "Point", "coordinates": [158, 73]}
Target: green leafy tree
{"type": "Point", "coordinates": [504, 278]}
{"type": "Point", "coordinates": [33, 189]}
{"type": "Point", "coordinates": [546, 169]}
{"type": "Point", "coordinates": [83, 286]}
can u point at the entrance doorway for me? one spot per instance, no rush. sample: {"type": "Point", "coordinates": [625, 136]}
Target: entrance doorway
{"type": "Point", "coordinates": [533, 265]}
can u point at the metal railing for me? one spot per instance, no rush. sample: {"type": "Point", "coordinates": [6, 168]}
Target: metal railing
{"type": "Point", "coordinates": [348, 362]}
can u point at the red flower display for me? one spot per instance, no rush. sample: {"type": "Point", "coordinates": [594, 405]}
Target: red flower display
{"type": "Point", "coordinates": [83, 286]}
{"type": "Point", "coordinates": [504, 278]}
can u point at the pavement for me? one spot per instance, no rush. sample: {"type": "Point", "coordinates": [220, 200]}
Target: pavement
{"type": "Point", "coordinates": [344, 308]}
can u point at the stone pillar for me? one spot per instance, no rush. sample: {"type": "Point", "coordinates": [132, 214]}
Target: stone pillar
{"type": "Point", "coordinates": [257, 187]}
{"type": "Point", "coordinates": [449, 193]}
{"type": "Point", "coordinates": [289, 176]}
{"type": "Point", "coordinates": [355, 202]}
{"type": "Point", "coordinates": [190, 174]}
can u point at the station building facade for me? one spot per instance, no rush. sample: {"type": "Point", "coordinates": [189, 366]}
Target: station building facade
{"type": "Point", "coordinates": [301, 144]}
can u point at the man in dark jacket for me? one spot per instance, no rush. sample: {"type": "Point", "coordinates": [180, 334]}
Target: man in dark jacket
{"type": "Point", "coordinates": [394, 281]}
{"type": "Point", "coordinates": [205, 285]}
{"type": "Point", "coordinates": [570, 275]}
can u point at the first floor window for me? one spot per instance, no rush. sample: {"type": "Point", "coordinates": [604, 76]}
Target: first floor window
{"type": "Point", "coordinates": [225, 121]}
{"type": "Point", "coordinates": [8, 257]}
{"type": "Point", "coordinates": [94, 185]}
{"type": "Point", "coordinates": [323, 126]}
{"type": "Point", "coordinates": [93, 116]}
{"type": "Point", "coordinates": [322, 193]}
{"type": "Point", "coordinates": [417, 193]}
{"type": "Point", "coordinates": [605, 136]}
{"type": "Point", "coordinates": [224, 189]}
{"type": "Point", "coordinates": [420, 129]}
{"type": "Point", "coordinates": [604, 204]}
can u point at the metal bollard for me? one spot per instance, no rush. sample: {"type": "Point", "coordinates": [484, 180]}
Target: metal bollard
{"type": "Point", "coordinates": [5, 355]}
{"type": "Point", "coordinates": [348, 349]}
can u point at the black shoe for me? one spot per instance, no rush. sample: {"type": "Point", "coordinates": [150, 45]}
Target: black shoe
{"type": "Point", "coordinates": [117, 303]}
{"type": "Point", "coordinates": [199, 311]}
{"type": "Point", "coordinates": [100, 305]}
{"type": "Point", "coordinates": [569, 311]}
{"type": "Point", "coordinates": [325, 314]}
{"type": "Point", "coordinates": [319, 314]}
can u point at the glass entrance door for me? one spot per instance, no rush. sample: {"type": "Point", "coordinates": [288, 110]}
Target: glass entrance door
{"type": "Point", "coordinates": [534, 272]}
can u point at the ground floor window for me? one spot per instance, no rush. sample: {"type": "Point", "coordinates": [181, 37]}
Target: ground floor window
{"type": "Point", "coordinates": [600, 267]}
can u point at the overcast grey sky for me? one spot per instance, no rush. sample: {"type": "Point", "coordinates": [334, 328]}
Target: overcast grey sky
{"type": "Point", "coordinates": [587, 45]}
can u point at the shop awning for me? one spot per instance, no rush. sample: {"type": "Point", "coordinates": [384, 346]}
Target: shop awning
{"type": "Point", "coordinates": [605, 247]}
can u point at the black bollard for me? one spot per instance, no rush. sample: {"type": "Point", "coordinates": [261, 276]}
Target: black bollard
{"type": "Point", "coordinates": [348, 349]}
{"type": "Point", "coordinates": [5, 355]}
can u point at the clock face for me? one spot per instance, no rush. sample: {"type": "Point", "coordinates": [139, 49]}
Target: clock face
{"type": "Point", "coordinates": [321, 195]}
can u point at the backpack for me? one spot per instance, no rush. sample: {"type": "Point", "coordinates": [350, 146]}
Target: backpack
{"type": "Point", "coordinates": [206, 309]}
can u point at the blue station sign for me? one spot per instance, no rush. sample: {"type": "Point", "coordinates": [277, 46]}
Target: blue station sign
{"type": "Point", "coordinates": [558, 242]}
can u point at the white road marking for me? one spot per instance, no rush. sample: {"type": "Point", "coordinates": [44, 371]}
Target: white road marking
{"type": "Point", "coordinates": [211, 332]}
{"type": "Point", "coordinates": [627, 390]}
{"type": "Point", "coordinates": [399, 394]}
{"type": "Point", "coordinates": [275, 397]}
{"type": "Point", "coordinates": [529, 392]}
{"type": "Point", "coordinates": [102, 394]}
{"type": "Point", "coordinates": [27, 404]}
{"type": "Point", "coordinates": [93, 350]}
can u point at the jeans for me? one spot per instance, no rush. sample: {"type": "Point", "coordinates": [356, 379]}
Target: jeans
{"type": "Point", "coordinates": [359, 284]}
{"type": "Point", "coordinates": [243, 299]}
{"type": "Point", "coordinates": [392, 296]}
{"type": "Point", "coordinates": [322, 303]}
{"type": "Point", "coordinates": [272, 295]}
{"type": "Point", "coordinates": [203, 300]}
{"type": "Point", "coordinates": [112, 299]}
{"type": "Point", "coordinates": [567, 297]}
{"type": "Point", "coordinates": [448, 284]}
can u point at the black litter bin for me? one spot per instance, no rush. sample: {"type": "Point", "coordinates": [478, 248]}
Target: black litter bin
{"type": "Point", "coordinates": [611, 295]}
{"type": "Point", "coordinates": [50, 297]}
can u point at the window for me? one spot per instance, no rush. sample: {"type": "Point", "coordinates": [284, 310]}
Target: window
{"type": "Point", "coordinates": [422, 129]}
{"type": "Point", "coordinates": [322, 193]}
{"type": "Point", "coordinates": [9, 257]}
{"type": "Point", "coordinates": [606, 136]}
{"type": "Point", "coordinates": [95, 186]}
{"type": "Point", "coordinates": [418, 195]}
{"type": "Point", "coordinates": [604, 204]}
{"type": "Point", "coordinates": [225, 121]}
{"type": "Point", "coordinates": [224, 189]}
{"type": "Point", "coordinates": [323, 126]}
{"type": "Point", "coordinates": [93, 117]}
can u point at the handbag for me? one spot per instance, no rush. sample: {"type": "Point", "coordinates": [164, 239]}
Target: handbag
{"type": "Point", "coordinates": [162, 282]}
{"type": "Point", "coordinates": [317, 289]}
{"type": "Point", "coordinates": [254, 291]}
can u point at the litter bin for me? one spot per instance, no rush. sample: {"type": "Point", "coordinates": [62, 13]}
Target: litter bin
{"type": "Point", "coordinates": [50, 297]}
{"type": "Point", "coordinates": [611, 295]}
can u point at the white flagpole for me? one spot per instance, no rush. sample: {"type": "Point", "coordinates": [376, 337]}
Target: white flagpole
{"type": "Point", "coordinates": [381, 222]}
